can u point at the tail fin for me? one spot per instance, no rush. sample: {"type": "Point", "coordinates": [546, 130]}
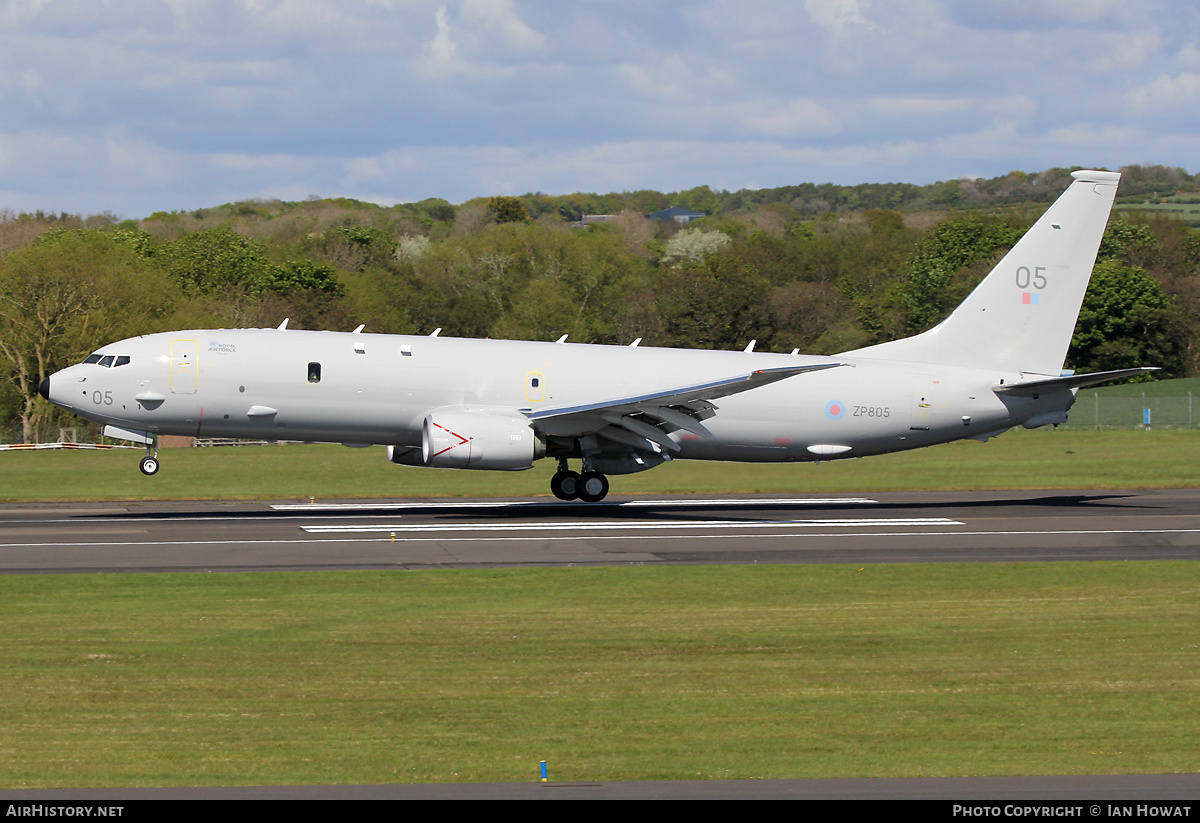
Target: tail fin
{"type": "Point", "coordinates": [1022, 315]}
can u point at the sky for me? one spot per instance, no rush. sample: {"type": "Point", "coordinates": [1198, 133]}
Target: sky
{"type": "Point", "coordinates": [137, 106]}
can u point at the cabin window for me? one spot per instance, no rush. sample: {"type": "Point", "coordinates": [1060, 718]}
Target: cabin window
{"type": "Point", "coordinates": [106, 361]}
{"type": "Point", "coordinates": [314, 372]}
{"type": "Point", "coordinates": [535, 382]}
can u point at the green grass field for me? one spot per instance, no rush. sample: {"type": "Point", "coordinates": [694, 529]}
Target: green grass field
{"type": "Point", "coordinates": [1016, 460]}
{"type": "Point", "coordinates": [606, 673]}
{"type": "Point", "coordinates": [1175, 208]}
{"type": "Point", "coordinates": [1178, 387]}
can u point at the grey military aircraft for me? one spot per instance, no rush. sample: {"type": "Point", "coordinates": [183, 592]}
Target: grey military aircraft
{"type": "Point", "coordinates": [994, 363]}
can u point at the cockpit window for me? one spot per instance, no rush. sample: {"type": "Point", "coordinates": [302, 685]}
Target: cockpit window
{"type": "Point", "coordinates": [122, 359]}
{"type": "Point", "coordinates": [92, 358]}
{"type": "Point", "coordinates": [106, 360]}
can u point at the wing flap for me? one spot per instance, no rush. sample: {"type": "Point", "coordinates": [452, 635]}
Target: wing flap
{"type": "Point", "coordinates": [683, 395]}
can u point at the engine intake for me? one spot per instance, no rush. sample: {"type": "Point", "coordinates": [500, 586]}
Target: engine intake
{"type": "Point", "coordinates": [479, 439]}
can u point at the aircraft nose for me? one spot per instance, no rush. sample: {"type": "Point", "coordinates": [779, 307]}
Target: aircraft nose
{"type": "Point", "coordinates": [44, 388]}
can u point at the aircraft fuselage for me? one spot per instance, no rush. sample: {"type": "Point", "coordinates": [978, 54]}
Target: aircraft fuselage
{"type": "Point", "coordinates": [365, 389]}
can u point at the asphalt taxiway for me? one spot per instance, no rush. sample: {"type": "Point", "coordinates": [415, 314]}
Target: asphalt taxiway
{"type": "Point", "coordinates": [413, 534]}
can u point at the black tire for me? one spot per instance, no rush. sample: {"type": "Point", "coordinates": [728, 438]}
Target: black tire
{"type": "Point", "coordinates": [593, 487]}
{"type": "Point", "coordinates": [565, 485]}
{"type": "Point", "coordinates": [149, 466]}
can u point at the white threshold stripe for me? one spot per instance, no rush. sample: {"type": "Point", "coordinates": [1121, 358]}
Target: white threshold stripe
{"type": "Point", "coordinates": [814, 501]}
{"type": "Point", "coordinates": [775, 536]}
{"type": "Point", "coordinates": [608, 525]}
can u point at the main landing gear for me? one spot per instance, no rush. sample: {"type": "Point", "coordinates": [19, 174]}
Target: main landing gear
{"type": "Point", "coordinates": [590, 487]}
{"type": "Point", "coordinates": [149, 464]}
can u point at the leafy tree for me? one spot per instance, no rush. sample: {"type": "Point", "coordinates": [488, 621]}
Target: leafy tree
{"type": "Point", "coordinates": [376, 245]}
{"type": "Point", "coordinates": [1128, 242]}
{"type": "Point", "coordinates": [718, 304]}
{"type": "Point", "coordinates": [1190, 246]}
{"type": "Point", "coordinates": [693, 245]}
{"type": "Point", "coordinates": [387, 303]}
{"type": "Point", "coordinates": [543, 310]}
{"type": "Point", "coordinates": [217, 260]}
{"type": "Point", "coordinates": [412, 246]}
{"type": "Point", "coordinates": [1124, 322]}
{"type": "Point", "coordinates": [221, 261]}
{"type": "Point", "coordinates": [64, 295]}
{"type": "Point", "coordinates": [437, 209]}
{"type": "Point", "coordinates": [946, 193]}
{"type": "Point", "coordinates": [140, 241]}
{"type": "Point", "coordinates": [302, 275]}
{"type": "Point", "coordinates": [701, 198]}
{"type": "Point", "coordinates": [507, 210]}
{"type": "Point", "coordinates": [946, 250]}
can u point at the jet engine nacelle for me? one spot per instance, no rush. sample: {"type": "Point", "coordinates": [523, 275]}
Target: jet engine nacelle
{"type": "Point", "coordinates": [405, 455]}
{"type": "Point", "coordinates": [479, 439]}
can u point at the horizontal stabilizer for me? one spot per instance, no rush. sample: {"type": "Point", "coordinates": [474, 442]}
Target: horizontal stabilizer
{"type": "Point", "coordinates": [1029, 388]}
{"type": "Point", "coordinates": [685, 394]}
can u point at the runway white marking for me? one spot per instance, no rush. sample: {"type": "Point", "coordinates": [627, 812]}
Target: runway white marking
{"type": "Point", "coordinates": [334, 508]}
{"type": "Point", "coordinates": [608, 525]}
{"type": "Point", "coordinates": [783, 501]}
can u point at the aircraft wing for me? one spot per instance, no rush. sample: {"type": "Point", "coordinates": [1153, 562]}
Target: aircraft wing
{"type": "Point", "coordinates": [624, 419]}
{"type": "Point", "coordinates": [1028, 388]}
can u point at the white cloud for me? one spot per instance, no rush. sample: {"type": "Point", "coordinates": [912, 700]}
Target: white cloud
{"type": "Point", "coordinates": [1131, 51]}
{"type": "Point", "coordinates": [484, 38]}
{"type": "Point", "coordinates": [788, 118]}
{"type": "Point", "coordinates": [836, 15]}
{"type": "Point", "coordinates": [673, 79]}
{"type": "Point", "coordinates": [441, 54]}
{"type": "Point", "coordinates": [1036, 14]}
{"type": "Point", "coordinates": [135, 156]}
{"type": "Point", "coordinates": [498, 18]}
{"type": "Point", "coordinates": [1166, 93]}
{"type": "Point", "coordinates": [920, 106]}
{"type": "Point", "coordinates": [1189, 57]}
{"type": "Point", "coordinates": [143, 105]}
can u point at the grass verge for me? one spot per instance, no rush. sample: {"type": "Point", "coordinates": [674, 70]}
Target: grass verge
{"type": "Point", "coordinates": [608, 674]}
{"type": "Point", "coordinates": [1016, 460]}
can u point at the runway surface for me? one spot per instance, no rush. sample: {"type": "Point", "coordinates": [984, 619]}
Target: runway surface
{"type": "Point", "coordinates": [877, 528]}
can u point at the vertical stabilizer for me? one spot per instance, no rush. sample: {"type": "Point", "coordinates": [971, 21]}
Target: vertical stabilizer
{"type": "Point", "coordinates": [1022, 315]}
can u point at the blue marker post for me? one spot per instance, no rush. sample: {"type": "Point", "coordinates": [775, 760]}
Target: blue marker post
{"type": "Point", "coordinates": [1146, 419]}
{"type": "Point", "coordinates": [543, 771]}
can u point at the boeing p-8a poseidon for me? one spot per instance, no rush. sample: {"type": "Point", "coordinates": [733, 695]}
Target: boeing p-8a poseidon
{"type": "Point", "coordinates": [995, 363]}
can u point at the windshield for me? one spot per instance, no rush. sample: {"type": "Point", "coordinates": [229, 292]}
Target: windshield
{"type": "Point", "coordinates": [107, 360]}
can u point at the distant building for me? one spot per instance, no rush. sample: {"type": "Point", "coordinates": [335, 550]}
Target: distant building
{"type": "Point", "coordinates": [677, 213]}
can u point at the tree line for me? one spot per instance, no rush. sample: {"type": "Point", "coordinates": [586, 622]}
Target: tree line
{"type": "Point", "coordinates": [515, 267]}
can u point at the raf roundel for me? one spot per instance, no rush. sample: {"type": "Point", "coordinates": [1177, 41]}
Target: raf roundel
{"type": "Point", "coordinates": [835, 409]}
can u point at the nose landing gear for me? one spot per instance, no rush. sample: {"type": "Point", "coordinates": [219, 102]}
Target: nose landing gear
{"type": "Point", "coordinates": [590, 487]}
{"type": "Point", "coordinates": [149, 464]}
